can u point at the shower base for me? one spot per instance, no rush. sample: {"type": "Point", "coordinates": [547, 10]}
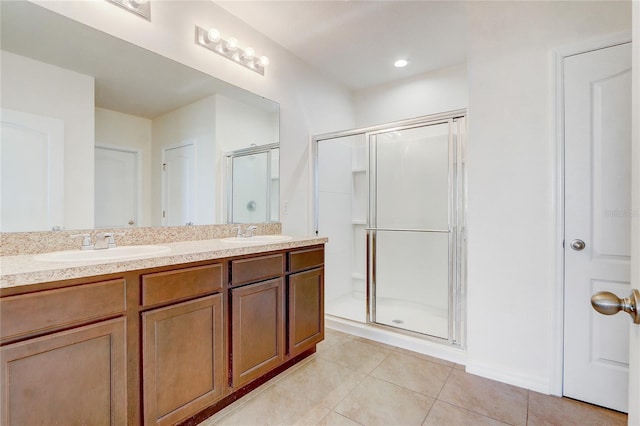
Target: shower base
{"type": "Point", "coordinates": [397, 313]}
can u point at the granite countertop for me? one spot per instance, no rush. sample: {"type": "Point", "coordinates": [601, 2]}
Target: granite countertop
{"type": "Point", "coordinates": [26, 269]}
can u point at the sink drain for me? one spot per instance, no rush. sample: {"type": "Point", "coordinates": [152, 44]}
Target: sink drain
{"type": "Point", "coordinates": [397, 321]}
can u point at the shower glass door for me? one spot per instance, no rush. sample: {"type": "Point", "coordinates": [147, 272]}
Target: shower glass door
{"type": "Point", "coordinates": [411, 232]}
{"type": "Point", "coordinates": [391, 200]}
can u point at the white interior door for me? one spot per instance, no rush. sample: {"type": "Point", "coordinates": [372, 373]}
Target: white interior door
{"type": "Point", "coordinates": [116, 181]}
{"type": "Point", "coordinates": [598, 211]}
{"type": "Point", "coordinates": [32, 172]}
{"type": "Point", "coordinates": [178, 174]}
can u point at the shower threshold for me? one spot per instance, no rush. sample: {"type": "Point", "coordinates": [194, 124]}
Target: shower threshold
{"type": "Point", "coordinates": [391, 336]}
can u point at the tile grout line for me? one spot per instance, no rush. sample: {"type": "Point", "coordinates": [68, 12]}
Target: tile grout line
{"type": "Point", "coordinates": [469, 409]}
{"type": "Point", "coordinates": [366, 375]}
{"type": "Point", "coordinates": [526, 418]}
{"type": "Point", "coordinates": [437, 398]}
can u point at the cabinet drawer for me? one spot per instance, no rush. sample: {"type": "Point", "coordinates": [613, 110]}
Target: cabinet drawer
{"type": "Point", "coordinates": [181, 284]}
{"type": "Point", "coordinates": [33, 313]}
{"type": "Point", "coordinates": [256, 268]}
{"type": "Point", "coordinates": [305, 259]}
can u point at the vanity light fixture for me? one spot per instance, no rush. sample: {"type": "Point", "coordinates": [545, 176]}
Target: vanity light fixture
{"type": "Point", "coordinates": [212, 39]}
{"type": "Point", "coordinates": [139, 7]}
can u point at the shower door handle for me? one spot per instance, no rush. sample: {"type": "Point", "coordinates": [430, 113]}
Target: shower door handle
{"type": "Point", "coordinates": [437, 231]}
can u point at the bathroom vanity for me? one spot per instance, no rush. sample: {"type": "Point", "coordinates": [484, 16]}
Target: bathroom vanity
{"type": "Point", "coordinates": [158, 340]}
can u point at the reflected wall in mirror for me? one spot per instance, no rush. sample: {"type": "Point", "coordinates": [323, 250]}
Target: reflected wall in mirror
{"type": "Point", "coordinates": [103, 133]}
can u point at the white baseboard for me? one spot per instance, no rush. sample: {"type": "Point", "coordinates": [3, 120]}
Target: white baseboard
{"type": "Point", "coordinates": [534, 383]}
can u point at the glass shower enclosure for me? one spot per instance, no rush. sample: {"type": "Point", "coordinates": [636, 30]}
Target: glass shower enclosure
{"type": "Point", "coordinates": [390, 199]}
{"type": "Point", "coordinates": [252, 177]}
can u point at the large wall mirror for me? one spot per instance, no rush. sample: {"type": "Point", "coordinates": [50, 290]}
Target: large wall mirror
{"type": "Point", "coordinates": [100, 133]}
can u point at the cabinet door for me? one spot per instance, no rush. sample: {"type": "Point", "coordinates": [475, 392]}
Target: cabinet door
{"type": "Point", "coordinates": [75, 377]}
{"type": "Point", "coordinates": [306, 310]}
{"type": "Point", "coordinates": [258, 330]}
{"type": "Point", "coordinates": [183, 368]}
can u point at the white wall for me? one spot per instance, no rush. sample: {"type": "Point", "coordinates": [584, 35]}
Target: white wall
{"type": "Point", "coordinates": [116, 129]}
{"type": "Point", "coordinates": [434, 92]}
{"type": "Point", "coordinates": [232, 131]}
{"type": "Point", "coordinates": [38, 88]}
{"type": "Point", "coordinates": [194, 123]}
{"type": "Point", "coordinates": [511, 165]}
{"type": "Point", "coordinates": [309, 103]}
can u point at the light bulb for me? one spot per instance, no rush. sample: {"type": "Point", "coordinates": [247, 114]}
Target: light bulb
{"type": "Point", "coordinates": [264, 61]}
{"type": "Point", "coordinates": [249, 53]}
{"type": "Point", "coordinates": [140, 1]}
{"type": "Point", "coordinates": [232, 43]}
{"type": "Point", "coordinates": [400, 63]}
{"type": "Point", "coordinates": [213, 35]}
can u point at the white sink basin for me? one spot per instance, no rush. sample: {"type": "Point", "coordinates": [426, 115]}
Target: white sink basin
{"type": "Point", "coordinates": [116, 253]}
{"type": "Point", "coordinates": [258, 239]}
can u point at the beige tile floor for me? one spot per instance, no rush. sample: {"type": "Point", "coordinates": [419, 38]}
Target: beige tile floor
{"type": "Point", "coordinates": [354, 381]}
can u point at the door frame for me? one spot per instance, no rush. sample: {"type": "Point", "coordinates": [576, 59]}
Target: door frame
{"type": "Point", "coordinates": [558, 56]}
{"type": "Point", "coordinates": [138, 175]}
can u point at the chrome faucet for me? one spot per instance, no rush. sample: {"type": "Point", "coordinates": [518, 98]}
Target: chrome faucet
{"type": "Point", "coordinates": [249, 231]}
{"type": "Point", "coordinates": [244, 233]}
{"type": "Point", "coordinates": [104, 240]}
{"type": "Point", "coordinates": [239, 231]}
{"type": "Point", "coordinates": [86, 241]}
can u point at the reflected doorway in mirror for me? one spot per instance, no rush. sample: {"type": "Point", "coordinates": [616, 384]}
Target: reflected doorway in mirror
{"type": "Point", "coordinates": [178, 189]}
{"type": "Point", "coordinates": [32, 172]}
{"type": "Point", "coordinates": [117, 187]}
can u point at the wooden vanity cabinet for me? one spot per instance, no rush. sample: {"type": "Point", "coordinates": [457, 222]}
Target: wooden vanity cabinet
{"type": "Point", "coordinates": [68, 360]}
{"type": "Point", "coordinates": [183, 356]}
{"type": "Point", "coordinates": [305, 289]}
{"type": "Point", "coordinates": [157, 346]}
{"type": "Point", "coordinates": [257, 317]}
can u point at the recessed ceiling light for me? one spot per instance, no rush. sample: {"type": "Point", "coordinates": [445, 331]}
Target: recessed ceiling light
{"type": "Point", "coordinates": [400, 63]}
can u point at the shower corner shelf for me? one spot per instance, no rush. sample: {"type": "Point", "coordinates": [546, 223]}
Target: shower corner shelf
{"type": "Point", "coordinates": [358, 170]}
{"type": "Point", "coordinates": [359, 222]}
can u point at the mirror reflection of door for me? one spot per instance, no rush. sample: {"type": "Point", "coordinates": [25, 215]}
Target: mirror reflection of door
{"type": "Point", "coordinates": [32, 172]}
{"type": "Point", "coordinates": [253, 189]}
{"type": "Point", "coordinates": [178, 185]}
{"type": "Point", "coordinates": [116, 187]}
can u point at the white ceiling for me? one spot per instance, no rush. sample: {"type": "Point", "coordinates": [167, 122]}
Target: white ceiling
{"type": "Point", "coordinates": [357, 42]}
